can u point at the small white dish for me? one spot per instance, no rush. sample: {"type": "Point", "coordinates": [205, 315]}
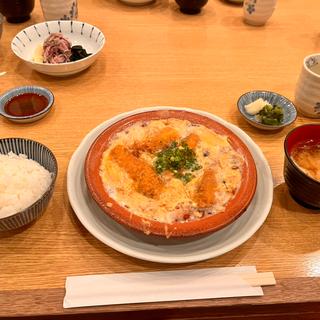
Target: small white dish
{"type": "Point", "coordinates": [89, 37]}
{"type": "Point", "coordinates": [157, 249]}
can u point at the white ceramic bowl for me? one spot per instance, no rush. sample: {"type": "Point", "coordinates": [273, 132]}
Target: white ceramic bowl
{"type": "Point", "coordinates": [257, 12]}
{"type": "Point", "coordinates": [78, 33]}
{"type": "Point", "coordinates": [307, 93]}
{"type": "Point", "coordinates": [44, 156]}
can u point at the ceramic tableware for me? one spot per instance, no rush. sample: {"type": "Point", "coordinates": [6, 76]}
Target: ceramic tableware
{"type": "Point", "coordinates": [289, 110]}
{"type": "Point", "coordinates": [34, 116]}
{"type": "Point", "coordinates": [89, 37]}
{"type": "Point", "coordinates": [234, 208]}
{"type": "Point", "coordinates": [171, 250]}
{"type": "Point", "coordinates": [137, 2]}
{"type": "Point", "coordinates": [191, 6]}
{"type": "Point", "coordinates": [303, 188]}
{"type": "Point", "coordinates": [258, 12]}
{"type": "Point", "coordinates": [59, 9]}
{"type": "Point", "coordinates": [235, 1]}
{"type": "Point", "coordinates": [1, 24]}
{"type": "Point", "coordinates": [307, 94]}
{"type": "Point", "coordinates": [16, 11]}
{"type": "Point", "coordinates": [44, 156]}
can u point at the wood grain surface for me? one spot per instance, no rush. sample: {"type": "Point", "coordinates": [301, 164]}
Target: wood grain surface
{"type": "Point", "coordinates": [154, 55]}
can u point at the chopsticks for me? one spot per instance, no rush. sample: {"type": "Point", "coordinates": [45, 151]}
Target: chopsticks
{"type": "Point", "coordinates": [259, 279]}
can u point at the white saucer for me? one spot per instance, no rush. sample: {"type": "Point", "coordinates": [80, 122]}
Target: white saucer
{"type": "Point", "coordinates": [157, 249]}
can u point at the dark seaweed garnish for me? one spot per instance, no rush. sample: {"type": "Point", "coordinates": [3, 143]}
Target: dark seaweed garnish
{"type": "Point", "coordinates": [78, 53]}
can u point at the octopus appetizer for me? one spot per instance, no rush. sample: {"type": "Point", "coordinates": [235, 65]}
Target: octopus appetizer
{"type": "Point", "coordinates": [58, 49]}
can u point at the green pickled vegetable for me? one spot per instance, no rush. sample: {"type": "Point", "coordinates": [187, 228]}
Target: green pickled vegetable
{"type": "Point", "coordinates": [178, 159]}
{"type": "Point", "coordinates": [271, 115]}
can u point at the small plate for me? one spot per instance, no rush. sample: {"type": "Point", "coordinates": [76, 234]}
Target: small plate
{"type": "Point", "coordinates": [21, 90]}
{"type": "Point", "coordinates": [157, 249]}
{"type": "Point", "coordinates": [89, 37]}
{"type": "Point", "coordinates": [290, 112]}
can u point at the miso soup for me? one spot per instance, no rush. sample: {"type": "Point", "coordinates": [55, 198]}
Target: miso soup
{"type": "Point", "coordinates": [306, 156]}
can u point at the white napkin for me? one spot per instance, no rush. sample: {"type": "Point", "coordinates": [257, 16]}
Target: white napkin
{"type": "Point", "coordinates": [121, 288]}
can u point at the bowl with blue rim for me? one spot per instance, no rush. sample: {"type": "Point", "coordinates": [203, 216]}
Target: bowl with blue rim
{"type": "Point", "coordinates": [20, 204]}
{"type": "Point", "coordinates": [28, 46]}
{"type": "Point", "coordinates": [272, 99]}
{"type": "Point", "coordinates": [26, 104]}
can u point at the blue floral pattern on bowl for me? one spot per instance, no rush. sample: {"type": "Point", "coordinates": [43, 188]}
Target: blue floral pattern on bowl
{"type": "Point", "coordinates": [250, 6]}
{"type": "Point", "coordinates": [73, 13]}
{"type": "Point", "coordinates": [289, 110]}
{"type": "Point", "coordinates": [312, 61]}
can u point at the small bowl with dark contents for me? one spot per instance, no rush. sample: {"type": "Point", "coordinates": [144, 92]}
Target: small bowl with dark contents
{"type": "Point", "coordinates": [26, 104]}
{"type": "Point", "coordinates": [191, 6]}
{"type": "Point", "coordinates": [302, 164]}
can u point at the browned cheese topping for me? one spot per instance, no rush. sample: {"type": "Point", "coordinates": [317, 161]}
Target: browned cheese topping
{"type": "Point", "coordinates": [145, 179]}
{"type": "Point", "coordinates": [171, 170]}
{"type": "Point", "coordinates": [205, 193]}
{"type": "Point", "coordinates": [158, 141]}
{"type": "Point", "coordinates": [192, 140]}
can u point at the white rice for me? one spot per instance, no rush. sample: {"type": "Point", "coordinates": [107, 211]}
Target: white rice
{"type": "Point", "coordinates": [22, 182]}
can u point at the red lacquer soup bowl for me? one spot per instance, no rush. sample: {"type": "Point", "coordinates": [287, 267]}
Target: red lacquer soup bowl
{"type": "Point", "coordinates": [208, 224]}
{"type": "Point", "coordinates": [304, 188]}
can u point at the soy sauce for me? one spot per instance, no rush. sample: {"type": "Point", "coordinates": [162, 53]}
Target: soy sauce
{"type": "Point", "coordinates": [26, 104]}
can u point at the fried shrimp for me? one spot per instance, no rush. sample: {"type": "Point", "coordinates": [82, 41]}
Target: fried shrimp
{"type": "Point", "coordinates": [205, 194]}
{"type": "Point", "coordinates": [145, 178]}
{"type": "Point", "coordinates": [192, 140]}
{"type": "Point", "coordinates": [158, 141]}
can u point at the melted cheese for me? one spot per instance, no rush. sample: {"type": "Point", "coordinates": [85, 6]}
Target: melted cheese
{"type": "Point", "coordinates": [176, 199]}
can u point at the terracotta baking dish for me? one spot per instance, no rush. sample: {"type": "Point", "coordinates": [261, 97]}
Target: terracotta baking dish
{"type": "Point", "coordinates": [233, 210]}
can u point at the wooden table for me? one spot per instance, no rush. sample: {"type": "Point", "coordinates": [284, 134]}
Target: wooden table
{"type": "Point", "coordinates": [155, 55]}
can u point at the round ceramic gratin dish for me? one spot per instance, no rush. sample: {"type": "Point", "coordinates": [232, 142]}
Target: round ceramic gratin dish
{"type": "Point", "coordinates": [89, 37]}
{"type": "Point", "coordinates": [235, 207]}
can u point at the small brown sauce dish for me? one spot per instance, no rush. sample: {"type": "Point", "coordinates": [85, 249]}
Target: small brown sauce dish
{"type": "Point", "coordinates": [26, 104]}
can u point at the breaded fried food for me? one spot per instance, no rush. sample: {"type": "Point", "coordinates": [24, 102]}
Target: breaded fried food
{"type": "Point", "coordinates": [158, 141]}
{"type": "Point", "coordinates": [192, 140]}
{"type": "Point", "coordinates": [146, 181]}
{"type": "Point", "coordinates": [205, 193]}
